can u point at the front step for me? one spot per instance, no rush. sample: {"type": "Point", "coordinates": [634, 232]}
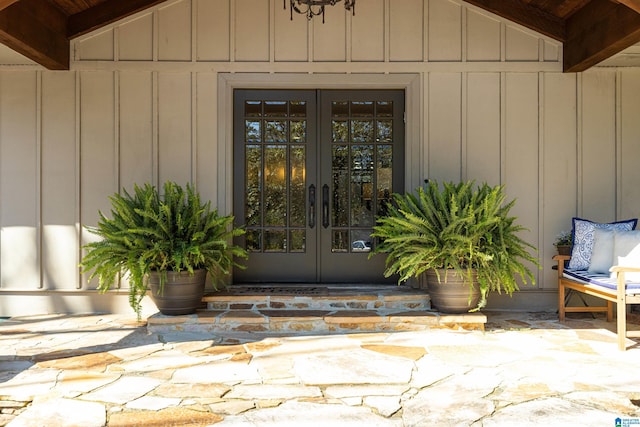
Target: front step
{"type": "Point", "coordinates": [305, 310]}
{"type": "Point", "coordinates": [384, 298]}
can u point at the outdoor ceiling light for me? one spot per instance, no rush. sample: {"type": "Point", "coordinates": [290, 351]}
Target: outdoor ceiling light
{"type": "Point", "coordinates": [313, 8]}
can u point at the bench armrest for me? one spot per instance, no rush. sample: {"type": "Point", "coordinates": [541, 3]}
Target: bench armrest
{"type": "Point", "coordinates": [624, 269]}
{"type": "Point", "coordinates": [561, 260]}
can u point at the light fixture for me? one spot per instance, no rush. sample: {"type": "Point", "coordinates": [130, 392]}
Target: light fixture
{"type": "Point", "coordinates": [313, 8]}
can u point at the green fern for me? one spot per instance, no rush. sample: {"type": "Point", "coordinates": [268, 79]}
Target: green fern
{"type": "Point", "coordinates": [149, 232]}
{"type": "Point", "coordinates": [459, 227]}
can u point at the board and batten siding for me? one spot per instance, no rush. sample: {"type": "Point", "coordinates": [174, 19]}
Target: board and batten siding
{"type": "Point", "coordinates": [148, 99]}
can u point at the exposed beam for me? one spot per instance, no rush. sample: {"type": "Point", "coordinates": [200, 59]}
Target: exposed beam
{"type": "Point", "coordinates": [632, 4]}
{"type": "Point", "coordinates": [6, 3]}
{"type": "Point", "coordinates": [105, 13]}
{"type": "Point", "coordinates": [598, 31]}
{"type": "Point", "coordinates": [525, 15]}
{"type": "Point", "coordinates": [35, 29]}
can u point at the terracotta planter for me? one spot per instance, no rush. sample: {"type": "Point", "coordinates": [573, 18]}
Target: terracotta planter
{"type": "Point", "coordinates": [182, 293]}
{"type": "Point", "coordinates": [452, 294]}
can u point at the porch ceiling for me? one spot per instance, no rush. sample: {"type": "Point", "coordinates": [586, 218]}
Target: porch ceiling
{"type": "Point", "coordinates": [590, 30]}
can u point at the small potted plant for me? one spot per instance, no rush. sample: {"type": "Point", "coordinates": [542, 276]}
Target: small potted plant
{"type": "Point", "coordinates": [163, 242]}
{"type": "Point", "coordinates": [563, 242]}
{"type": "Point", "coordinates": [461, 237]}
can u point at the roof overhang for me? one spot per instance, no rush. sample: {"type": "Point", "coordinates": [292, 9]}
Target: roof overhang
{"type": "Point", "coordinates": [593, 30]}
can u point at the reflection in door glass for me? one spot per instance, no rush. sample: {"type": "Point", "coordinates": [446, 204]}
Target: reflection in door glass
{"type": "Point", "coordinates": [362, 185]}
{"type": "Point", "coordinates": [297, 187]}
{"type": "Point", "coordinates": [384, 178]}
{"type": "Point", "coordinates": [340, 178]}
{"type": "Point", "coordinates": [339, 241]}
{"type": "Point", "coordinates": [275, 131]}
{"type": "Point", "coordinates": [362, 133]}
{"type": "Point", "coordinates": [253, 181]}
{"type": "Point", "coordinates": [275, 185]}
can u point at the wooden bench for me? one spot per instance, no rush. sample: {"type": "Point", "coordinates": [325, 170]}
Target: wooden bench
{"type": "Point", "coordinates": [618, 296]}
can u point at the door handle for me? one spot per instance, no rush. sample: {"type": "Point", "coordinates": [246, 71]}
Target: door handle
{"type": "Point", "coordinates": [312, 206]}
{"type": "Point", "coordinates": [325, 206]}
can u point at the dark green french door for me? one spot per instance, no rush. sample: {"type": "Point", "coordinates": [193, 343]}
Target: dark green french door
{"type": "Point", "coordinates": [312, 170]}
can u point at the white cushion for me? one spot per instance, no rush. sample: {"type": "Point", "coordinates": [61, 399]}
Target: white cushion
{"type": "Point", "coordinates": [626, 252]}
{"type": "Point", "coordinates": [602, 254]}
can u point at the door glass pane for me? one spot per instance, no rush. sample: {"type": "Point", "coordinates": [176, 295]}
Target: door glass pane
{"type": "Point", "coordinates": [362, 109]}
{"type": "Point", "coordinates": [297, 191]}
{"type": "Point", "coordinates": [384, 109]}
{"type": "Point", "coordinates": [275, 131]}
{"type": "Point", "coordinates": [254, 240]}
{"type": "Point", "coordinates": [275, 191]}
{"type": "Point", "coordinates": [252, 132]}
{"type": "Point", "coordinates": [340, 131]}
{"type": "Point", "coordinates": [340, 241]}
{"type": "Point", "coordinates": [275, 241]}
{"type": "Point", "coordinates": [384, 174]}
{"type": "Point", "coordinates": [361, 240]}
{"type": "Point", "coordinates": [253, 108]}
{"type": "Point", "coordinates": [297, 109]}
{"type": "Point", "coordinates": [361, 131]}
{"type": "Point", "coordinates": [384, 134]}
{"type": "Point", "coordinates": [297, 239]}
{"type": "Point", "coordinates": [340, 185]}
{"type": "Point", "coordinates": [275, 108]}
{"type": "Point", "coordinates": [298, 131]}
{"type": "Point", "coordinates": [339, 109]}
{"type": "Point", "coordinates": [362, 186]}
{"type": "Point", "coordinates": [253, 179]}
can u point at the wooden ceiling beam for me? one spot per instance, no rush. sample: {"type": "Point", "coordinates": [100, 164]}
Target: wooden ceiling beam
{"type": "Point", "coordinates": [105, 13]}
{"type": "Point", "coordinates": [631, 4]}
{"type": "Point", "coordinates": [35, 29]}
{"type": "Point", "coordinates": [6, 3]}
{"type": "Point", "coordinates": [598, 31]}
{"type": "Point", "coordinates": [528, 16]}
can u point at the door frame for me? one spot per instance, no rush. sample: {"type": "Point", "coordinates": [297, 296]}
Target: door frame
{"type": "Point", "coordinates": [415, 152]}
{"type": "Point", "coordinates": [319, 260]}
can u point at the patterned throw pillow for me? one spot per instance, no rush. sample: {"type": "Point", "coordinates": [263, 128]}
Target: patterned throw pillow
{"type": "Point", "coordinates": [583, 237]}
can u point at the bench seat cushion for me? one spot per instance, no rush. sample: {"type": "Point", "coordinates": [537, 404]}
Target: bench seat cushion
{"type": "Point", "coordinates": [600, 279]}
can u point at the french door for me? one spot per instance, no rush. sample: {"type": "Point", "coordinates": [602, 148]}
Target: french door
{"type": "Point", "coordinates": [312, 170]}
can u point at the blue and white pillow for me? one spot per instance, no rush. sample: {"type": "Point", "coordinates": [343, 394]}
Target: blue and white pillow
{"type": "Point", "coordinates": [583, 237]}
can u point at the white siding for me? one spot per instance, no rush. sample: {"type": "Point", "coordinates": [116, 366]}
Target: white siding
{"type": "Point", "coordinates": [19, 181]}
{"type": "Point", "coordinates": [60, 222]}
{"type": "Point", "coordinates": [146, 101]}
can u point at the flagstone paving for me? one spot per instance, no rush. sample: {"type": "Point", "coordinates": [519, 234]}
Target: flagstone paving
{"type": "Point", "coordinates": [524, 369]}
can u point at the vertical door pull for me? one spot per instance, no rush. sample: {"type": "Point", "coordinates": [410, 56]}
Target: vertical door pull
{"type": "Point", "coordinates": [325, 206]}
{"type": "Point", "coordinates": [312, 206]}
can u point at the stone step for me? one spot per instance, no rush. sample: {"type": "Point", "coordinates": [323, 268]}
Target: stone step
{"type": "Point", "coordinates": [262, 310]}
{"type": "Point", "coordinates": [319, 297]}
{"type": "Point", "coordinates": [254, 323]}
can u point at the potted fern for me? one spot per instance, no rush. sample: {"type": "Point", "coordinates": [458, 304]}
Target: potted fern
{"type": "Point", "coordinates": [461, 237]}
{"type": "Point", "coordinates": [165, 243]}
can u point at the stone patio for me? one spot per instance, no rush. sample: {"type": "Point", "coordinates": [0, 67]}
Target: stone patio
{"type": "Point", "coordinates": [525, 369]}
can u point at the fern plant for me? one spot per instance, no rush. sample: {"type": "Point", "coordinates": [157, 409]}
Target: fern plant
{"type": "Point", "coordinates": [456, 226]}
{"type": "Point", "coordinates": [148, 232]}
